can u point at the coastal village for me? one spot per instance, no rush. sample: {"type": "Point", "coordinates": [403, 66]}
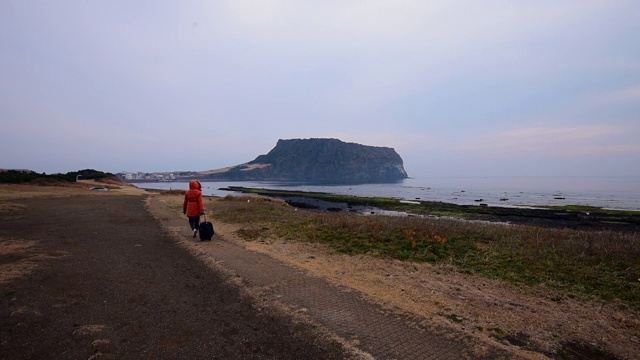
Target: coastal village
{"type": "Point", "coordinates": [142, 176]}
{"type": "Point", "coordinates": [157, 176]}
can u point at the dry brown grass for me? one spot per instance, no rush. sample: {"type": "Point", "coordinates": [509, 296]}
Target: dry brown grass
{"type": "Point", "coordinates": [13, 191]}
{"type": "Point", "coordinates": [16, 249]}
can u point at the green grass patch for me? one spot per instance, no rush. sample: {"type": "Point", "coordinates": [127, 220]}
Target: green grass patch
{"type": "Point", "coordinates": [589, 209]}
{"type": "Point", "coordinates": [601, 265]}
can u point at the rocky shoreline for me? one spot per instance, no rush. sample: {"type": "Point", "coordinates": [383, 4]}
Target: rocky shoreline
{"type": "Point", "coordinates": [581, 218]}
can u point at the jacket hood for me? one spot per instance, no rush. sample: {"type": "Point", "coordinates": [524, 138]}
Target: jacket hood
{"type": "Point", "coordinates": [195, 184]}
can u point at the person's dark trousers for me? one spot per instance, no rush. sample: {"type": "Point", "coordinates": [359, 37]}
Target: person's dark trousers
{"type": "Point", "coordinates": [194, 222]}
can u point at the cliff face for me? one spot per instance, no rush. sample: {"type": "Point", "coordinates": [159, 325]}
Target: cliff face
{"type": "Point", "coordinates": [321, 161]}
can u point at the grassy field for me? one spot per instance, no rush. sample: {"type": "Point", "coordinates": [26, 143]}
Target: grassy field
{"type": "Point", "coordinates": [597, 265]}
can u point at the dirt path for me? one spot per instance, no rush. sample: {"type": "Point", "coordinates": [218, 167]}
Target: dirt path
{"type": "Point", "coordinates": [95, 277]}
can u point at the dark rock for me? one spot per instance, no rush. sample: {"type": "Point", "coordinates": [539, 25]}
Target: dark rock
{"type": "Point", "coordinates": [302, 205]}
{"type": "Point", "coordinates": [320, 161]}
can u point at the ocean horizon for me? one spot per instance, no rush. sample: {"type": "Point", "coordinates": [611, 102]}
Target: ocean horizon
{"type": "Point", "coordinates": [620, 193]}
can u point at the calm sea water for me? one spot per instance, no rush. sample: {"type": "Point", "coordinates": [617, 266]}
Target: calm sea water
{"type": "Point", "coordinates": [606, 192]}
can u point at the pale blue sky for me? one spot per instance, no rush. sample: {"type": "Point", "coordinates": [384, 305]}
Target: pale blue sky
{"type": "Point", "coordinates": [458, 88]}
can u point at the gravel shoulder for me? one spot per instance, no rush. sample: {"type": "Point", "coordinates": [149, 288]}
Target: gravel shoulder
{"type": "Point", "coordinates": [94, 276]}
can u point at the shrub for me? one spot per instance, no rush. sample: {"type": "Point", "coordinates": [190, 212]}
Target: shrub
{"type": "Point", "coordinates": [28, 176]}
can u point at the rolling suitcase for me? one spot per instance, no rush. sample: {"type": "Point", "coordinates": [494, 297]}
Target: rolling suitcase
{"type": "Point", "coordinates": [206, 230]}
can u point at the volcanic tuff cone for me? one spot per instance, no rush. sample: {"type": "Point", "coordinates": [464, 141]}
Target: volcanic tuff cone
{"type": "Point", "coordinates": [321, 161]}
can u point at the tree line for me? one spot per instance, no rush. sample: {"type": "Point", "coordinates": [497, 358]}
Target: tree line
{"type": "Point", "coordinates": [28, 176]}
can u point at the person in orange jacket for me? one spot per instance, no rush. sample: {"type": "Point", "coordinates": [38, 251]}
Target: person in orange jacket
{"type": "Point", "coordinates": [193, 205]}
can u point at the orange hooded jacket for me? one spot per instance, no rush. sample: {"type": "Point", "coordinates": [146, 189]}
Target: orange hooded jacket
{"type": "Point", "coordinates": [193, 204]}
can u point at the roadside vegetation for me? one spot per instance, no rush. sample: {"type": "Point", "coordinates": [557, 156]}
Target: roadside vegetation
{"type": "Point", "coordinates": [32, 177]}
{"type": "Point", "coordinates": [600, 265]}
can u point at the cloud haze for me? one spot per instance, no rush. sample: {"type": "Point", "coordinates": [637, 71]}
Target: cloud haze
{"type": "Point", "coordinates": [458, 88]}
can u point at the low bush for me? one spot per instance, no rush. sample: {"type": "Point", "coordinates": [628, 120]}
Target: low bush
{"type": "Point", "coordinates": [28, 176]}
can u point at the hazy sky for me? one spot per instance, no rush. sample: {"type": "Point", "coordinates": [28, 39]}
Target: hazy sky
{"type": "Point", "coordinates": [457, 88]}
